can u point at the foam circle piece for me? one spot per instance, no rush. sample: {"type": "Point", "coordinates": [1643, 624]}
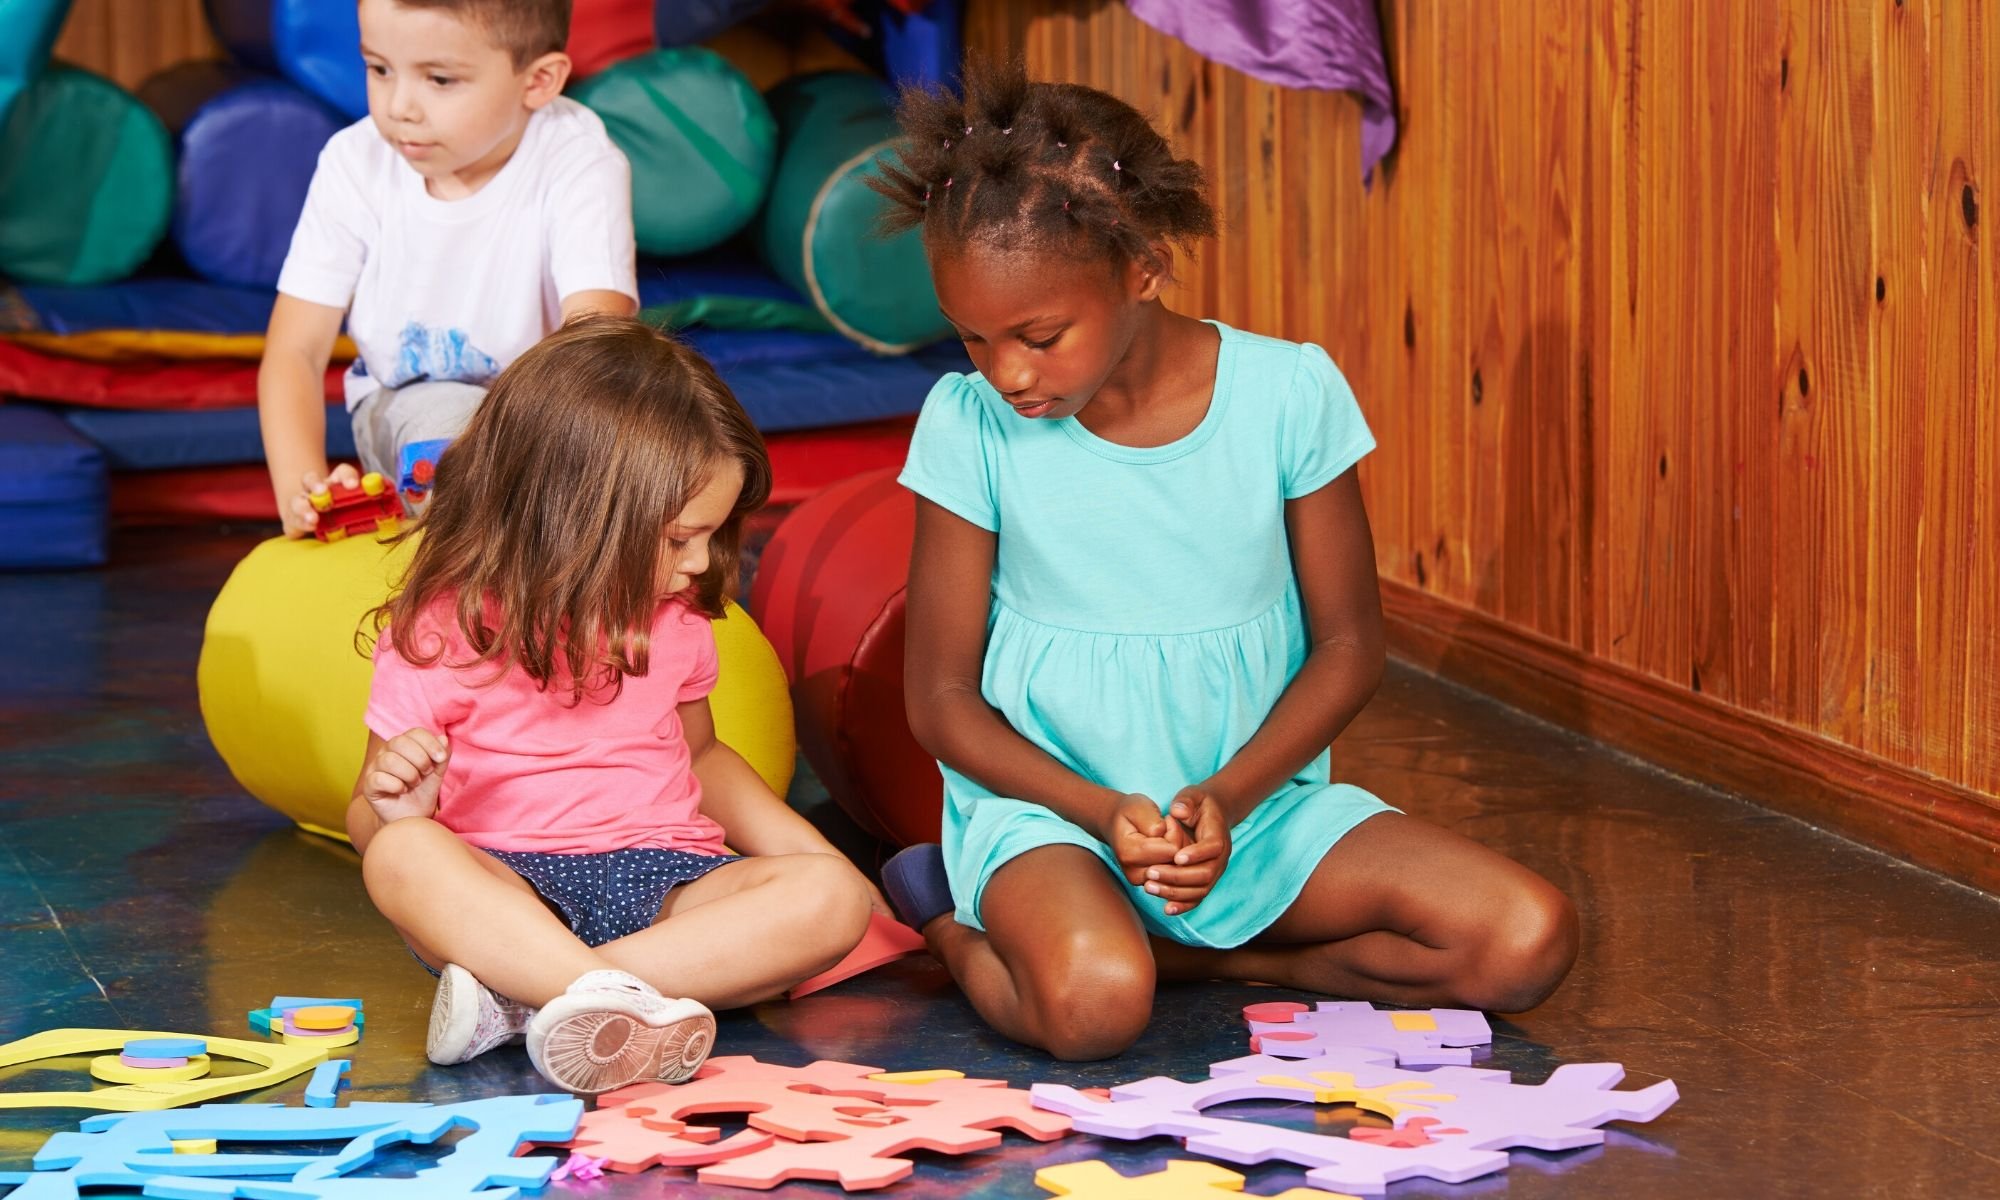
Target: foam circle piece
{"type": "Point", "coordinates": [318, 46]}
{"type": "Point", "coordinates": [829, 593]}
{"type": "Point", "coordinates": [331, 1041]}
{"type": "Point", "coordinates": [165, 1047]}
{"type": "Point", "coordinates": [71, 140]}
{"type": "Point", "coordinates": [818, 231]}
{"type": "Point", "coordinates": [283, 688]}
{"type": "Point", "coordinates": [322, 1016]}
{"type": "Point", "coordinates": [248, 149]}
{"type": "Point", "coordinates": [108, 1068]}
{"type": "Point", "coordinates": [700, 139]}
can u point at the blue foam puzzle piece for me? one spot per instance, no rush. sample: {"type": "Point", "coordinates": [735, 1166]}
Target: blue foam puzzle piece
{"type": "Point", "coordinates": [280, 1003]}
{"type": "Point", "coordinates": [165, 1047]}
{"type": "Point", "coordinates": [323, 1089]}
{"type": "Point", "coordinates": [135, 1150]}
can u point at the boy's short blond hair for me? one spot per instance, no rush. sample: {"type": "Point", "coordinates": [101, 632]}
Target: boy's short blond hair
{"type": "Point", "coordinates": [526, 29]}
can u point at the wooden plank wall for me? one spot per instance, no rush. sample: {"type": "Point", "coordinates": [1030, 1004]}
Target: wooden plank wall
{"type": "Point", "coordinates": [128, 40]}
{"type": "Point", "coordinates": [1677, 324]}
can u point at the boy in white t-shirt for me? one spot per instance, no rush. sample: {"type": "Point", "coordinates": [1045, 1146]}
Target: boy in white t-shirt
{"type": "Point", "coordinates": [475, 210]}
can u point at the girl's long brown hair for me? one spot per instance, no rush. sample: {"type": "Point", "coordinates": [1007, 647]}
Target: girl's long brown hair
{"type": "Point", "coordinates": [544, 530]}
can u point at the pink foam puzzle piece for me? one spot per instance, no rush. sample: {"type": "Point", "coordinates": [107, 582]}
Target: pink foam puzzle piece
{"type": "Point", "coordinates": [1417, 1037]}
{"type": "Point", "coordinates": [629, 1140]}
{"type": "Point", "coordinates": [885, 941]}
{"type": "Point", "coordinates": [1180, 1179]}
{"type": "Point", "coordinates": [832, 1121]}
{"type": "Point", "coordinates": [1495, 1114]}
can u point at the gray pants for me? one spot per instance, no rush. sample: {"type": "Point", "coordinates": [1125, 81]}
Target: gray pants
{"type": "Point", "coordinates": [393, 418]}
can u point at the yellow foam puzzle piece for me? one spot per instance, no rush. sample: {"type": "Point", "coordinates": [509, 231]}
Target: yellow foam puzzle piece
{"type": "Point", "coordinates": [195, 1146]}
{"type": "Point", "coordinates": [1413, 1022]}
{"type": "Point", "coordinates": [110, 1070]}
{"type": "Point", "coordinates": [331, 1041]}
{"type": "Point", "coordinates": [277, 1063]}
{"type": "Point", "coordinates": [1182, 1179]}
{"type": "Point", "coordinates": [1391, 1100]}
{"type": "Point", "coordinates": [932, 1076]}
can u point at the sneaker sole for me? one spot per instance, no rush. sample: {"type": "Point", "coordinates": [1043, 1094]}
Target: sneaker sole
{"type": "Point", "coordinates": [584, 1045]}
{"type": "Point", "coordinates": [452, 1022]}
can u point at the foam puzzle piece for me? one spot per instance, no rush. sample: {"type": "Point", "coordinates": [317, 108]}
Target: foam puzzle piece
{"type": "Point", "coordinates": [885, 941]}
{"type": "Point", "coordinates": [933, 1076]}
{"type": "Point", "coordinates": [1180, 1180]}
{"type": "Point", "coordinates": [328, 1078]}
{"type": "Point", "coordinates": [832, 1121]}
{"type": "Point", "coordinates": [632, 1140]}
{"type": "Point", "coordinates": [330, 1041]}
{"type": "Point", "coordinates": [1418, 1038]}
{"type": "Point", "coordinates": [151, 1064]}
{"type": "Point", "coordinates": [169, 1047]}
{"type": "Point", "coordinates": [292, 1028]}
{"type": "Point", "coordinates": [578, 1166]}
{"type": "Point", "coordinates": [276, 1064]}
{"type": "Point", "coordinates": [194, 1146]}
{"type": "Point", "coordinates": [1495, 1113]}
{"type": "Point", "coordinates": [112, 1068]}
{"type": "Point", "coordinates": [324, 1018]}
{"type": "Point", "coordinates": [137, 1151]}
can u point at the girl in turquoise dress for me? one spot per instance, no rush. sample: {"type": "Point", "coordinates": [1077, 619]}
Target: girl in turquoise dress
{"type": "Point", "coordinates": [1142, 605]}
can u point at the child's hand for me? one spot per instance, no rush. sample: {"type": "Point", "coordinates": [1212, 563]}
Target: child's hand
{"type": "Point", "coordinates": [1203, 852]}
{"type": "Point", "coordinates": [298, 514]}
{"type": "Point", "coordinates": [1139, 837]}
{"type": "Point", "coordinates": [402, 779]}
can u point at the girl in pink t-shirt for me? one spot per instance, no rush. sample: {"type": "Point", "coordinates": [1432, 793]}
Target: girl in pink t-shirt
{"type": "Point", "coordinates": [543, 806]}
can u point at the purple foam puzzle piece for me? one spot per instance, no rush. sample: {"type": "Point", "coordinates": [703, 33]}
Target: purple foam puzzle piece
{"type": "Point", "coordinates": [1295, 1031]}
{"type": "Point", "coordinates": [1495, 1114]}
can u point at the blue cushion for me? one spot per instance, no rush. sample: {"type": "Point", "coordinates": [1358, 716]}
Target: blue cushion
{"type": "Point", "coordinates": [144, 440]}
{"type": "Point", "coordinates": [54, 492]}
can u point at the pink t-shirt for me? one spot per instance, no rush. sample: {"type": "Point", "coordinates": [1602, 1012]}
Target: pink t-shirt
{"type": "Point", "coordinates": [530, 770]}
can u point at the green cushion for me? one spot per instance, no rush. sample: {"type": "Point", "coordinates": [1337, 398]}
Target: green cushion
{"type": "Point", "coordinates": [86, 181]}
{"type": "Point", "coordinates": [818, 231]}
{"type": "Point", "coordinates": [701, 141]}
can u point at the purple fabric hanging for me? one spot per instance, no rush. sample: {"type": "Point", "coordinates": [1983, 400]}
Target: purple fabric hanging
{"type": "Point", "coordinates": [1330, 44]}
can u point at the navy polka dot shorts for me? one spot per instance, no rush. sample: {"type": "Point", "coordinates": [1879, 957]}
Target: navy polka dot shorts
{"type": "Point", "coordinates": [604, 897]}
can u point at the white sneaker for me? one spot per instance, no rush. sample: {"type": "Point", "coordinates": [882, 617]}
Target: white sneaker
{"type": "Point", "coordinates": [468, 1018]}
{"type": "Point", "coordinates": [610, 1029]}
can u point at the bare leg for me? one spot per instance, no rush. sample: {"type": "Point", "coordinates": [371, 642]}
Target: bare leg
{"type": "Point", "coordinates": [455, 903]}
{"type": "Point", "coordinates": [1063, 964]}
{"type": "Point", "coordinates": [747, 931]}
{"type": "Point", "coordinates": [1406, 912]}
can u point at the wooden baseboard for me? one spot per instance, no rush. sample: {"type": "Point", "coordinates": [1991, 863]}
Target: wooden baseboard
{"type": "Point", "coordinates": [1928, 821]}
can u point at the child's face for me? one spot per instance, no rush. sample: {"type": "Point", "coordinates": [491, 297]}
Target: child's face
{"type": "Point", "coordinates": [444, 93]}
{"type": "Point", "coordinates": [684, 544]}
{"type": "Point", "coordinates": [1046, 331]}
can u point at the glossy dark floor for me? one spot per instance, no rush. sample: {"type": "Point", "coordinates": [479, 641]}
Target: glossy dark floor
{"type": "Point", "coordinates": [1832, 1018]}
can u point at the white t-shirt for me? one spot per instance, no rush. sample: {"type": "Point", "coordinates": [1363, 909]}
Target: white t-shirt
{"type": "Point", "coordinates": [457, 289]}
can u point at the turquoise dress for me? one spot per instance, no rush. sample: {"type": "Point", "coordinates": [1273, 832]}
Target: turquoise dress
{"type": "Point", "coordinates": [1145, 617]}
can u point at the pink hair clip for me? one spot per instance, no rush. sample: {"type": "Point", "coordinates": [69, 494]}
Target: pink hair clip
{"type": "Point", "coordinates": [1005, 132]}
{"type": "Point", "coordinates": [1115, 166]}
{"type": "Point", "coordinates": [947, 183]}
{"type": "Point", "coordinates": [968, 129]}
{"type": "Point", "coordinates": [1062, 145]}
